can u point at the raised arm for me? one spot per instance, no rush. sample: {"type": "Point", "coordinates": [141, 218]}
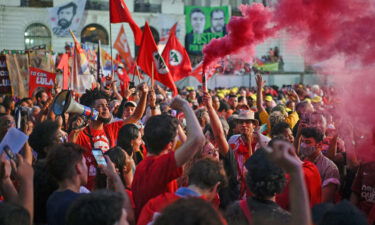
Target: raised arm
{"type": "Point", "coordinates": [260, 84]}
{"type": "Point", "coordinates": [283, 154]}
{"type": "Point", "coordinates": [141, 107]}
{"type": "Point", "coordinates": [115, 183]}
{"type": "Point", "coordinates": [217, 128]}
{"type": "Point", "coordinates": [195, 138]}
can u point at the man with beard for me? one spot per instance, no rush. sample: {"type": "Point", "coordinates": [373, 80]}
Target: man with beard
{"type": "Point", "coordinates": [217, 22]}
{"type": "Point", "coordinates": [100, 134]}
{"type": "Point", "coordinates": [65, 16]}
{"type": "Point", "coordinates": [310, 150]}
{"type": "Point", "coordinates": [41, 98]}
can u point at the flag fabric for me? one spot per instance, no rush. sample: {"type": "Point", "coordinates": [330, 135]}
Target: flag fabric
{"type": "Point", "coordinates": [124, 79]}
{"type": "Point", "coordinates": [64, 66]}
{"type": "Point", "coordinates": [122, 46]}
{"type": "Point", "coordinates": [197, 72]}
{"type": "Point", "coordinates": [106, 62]}
{"type": "Point", "coordinates": [148, 55]}
{"type": "Point", "coordinates": [81, 78]}
{"type": "Point", "coordinates": [176, 57]}
{"type": "Point", "coordinates": [119, 12]}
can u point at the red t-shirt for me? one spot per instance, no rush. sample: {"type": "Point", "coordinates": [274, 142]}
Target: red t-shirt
{"type": "Point", "coordinates": [313, 183]}
{"type": "Point", "coordinates": [103, 139]}
{"type": "Point", "coordinates": [153, 176]}
{"type": "Point", "coordinates": [364, 187]}
{"type": "Point", "coordinates": [156, 205]}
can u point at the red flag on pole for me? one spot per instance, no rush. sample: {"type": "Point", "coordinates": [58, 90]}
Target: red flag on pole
{"type": "Point", "coordinates": [64, 66]}
{"type": "Point", "coordinates": [122, 46]}
{"type": "Point", "coordinates": [123, 77]}
{"type": "Point", "coordinates": [119, 12]}
{"type": "Point", "coordinates": [176, 57]}
{"type": "Point", "coordinates": [148, 55]}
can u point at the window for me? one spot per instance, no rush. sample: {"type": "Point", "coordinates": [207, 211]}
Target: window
{"type": "Point", "coordinates": [92, 33]}
{"type": "Point", "coordinates": [37, 36]}
{"type": "Point", "coordinates": [97, 5]}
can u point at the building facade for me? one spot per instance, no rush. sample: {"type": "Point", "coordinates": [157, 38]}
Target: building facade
{"type": "Point", "coordinates": [25, 24]}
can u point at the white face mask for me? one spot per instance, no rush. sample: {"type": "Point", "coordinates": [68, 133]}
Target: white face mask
{"type": "Point", "coordinates": [307, 151]}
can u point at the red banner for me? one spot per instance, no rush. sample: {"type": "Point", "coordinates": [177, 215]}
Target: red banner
{"type": "Point", "coordinates": [40, 79]}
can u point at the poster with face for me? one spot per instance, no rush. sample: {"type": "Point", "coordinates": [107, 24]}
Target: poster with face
{"type": "Point", "coordinates": [204, 24]}
{"type": "Point", "coordinates": [67, 17]}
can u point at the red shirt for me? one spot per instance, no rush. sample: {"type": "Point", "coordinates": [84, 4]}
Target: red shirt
{"type": "Point", "coordinates": [154, 206]}
{"type": "Point", "coordinates": [313, 183]}
{"type": "Point", "coordinates": [103, 139]}
{"type": "Point", "coordinates": [153, 176]}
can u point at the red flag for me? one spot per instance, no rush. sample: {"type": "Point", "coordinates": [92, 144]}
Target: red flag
{"type": "Point", "coordinates": [148, 55]}
{"type": "Point", "coordinates": [122, 46]}
{"type": "Point", "coordinates": [176, 57]}
{"type": "Point", "coordinates": [64, 66]}
{"type": "Point", "coordinates": [119, 12]}
{"type": "Point", "coordinates": [124, 79]}
{"type": "Point", "coordinates": [198, 70]}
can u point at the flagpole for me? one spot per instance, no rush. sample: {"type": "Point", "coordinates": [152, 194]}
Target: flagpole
{"type": "Point", "coordinates": [110, 44]}
{"type": "Point", "coordinates": [152, 77]}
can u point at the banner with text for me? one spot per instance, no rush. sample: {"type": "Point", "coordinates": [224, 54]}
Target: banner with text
{"type": "Point", "coordinates": [40, 79]}
{"type": "Point", "coordinates": [204, 24]}
{"type": "Point", "coordinates": [5, 87]}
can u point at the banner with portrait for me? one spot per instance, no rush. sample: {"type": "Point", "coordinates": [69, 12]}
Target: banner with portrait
{"type": "Point", "coordinates": [18, 65]}
{"type": "Point", "coordinates": [67, 17]}
{"type": "Point", "coordinates": [204, 24]}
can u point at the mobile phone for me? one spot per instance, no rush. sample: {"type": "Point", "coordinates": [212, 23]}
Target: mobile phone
{"type": "Point", "coordinates": [9, 153]}
{"type": "Point", "coordinates": [99, 157]}
{"type": "Point", "coordinates": [131, 85]}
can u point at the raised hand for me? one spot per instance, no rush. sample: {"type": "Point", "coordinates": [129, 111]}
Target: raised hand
{"type": "Point", "coordinates": [143, 87]}
{"type": "Point", "coordinates": [178, 103]}
{"type": "Point", "coordinates": [284, 155]}
{"type": "Point", "coordinates": [207, 100]}
{"type": "Point", "coordinates": [259, 80]}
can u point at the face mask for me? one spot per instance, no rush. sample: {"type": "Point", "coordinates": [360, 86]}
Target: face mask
{"type": "Point", "coordinates": [307, 150]}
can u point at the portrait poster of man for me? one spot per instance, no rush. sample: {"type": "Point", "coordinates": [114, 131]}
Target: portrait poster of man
{"type": "Point", "coordinates": [202, 25]}
{"type": "Point", "coordinates": [67, 16]}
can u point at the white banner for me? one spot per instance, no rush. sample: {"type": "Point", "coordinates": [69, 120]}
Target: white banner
{"type": "Point", "coordinates": [67, 17]}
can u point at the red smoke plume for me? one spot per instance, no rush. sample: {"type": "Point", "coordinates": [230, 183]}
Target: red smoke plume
{"type": "Point", "coordinates": [243, 32]}
{"type": "Point", "coordinates": [341, 33]}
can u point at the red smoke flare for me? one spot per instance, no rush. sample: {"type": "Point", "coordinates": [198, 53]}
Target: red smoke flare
{"type": "Point", "coordinates": [244, 33]}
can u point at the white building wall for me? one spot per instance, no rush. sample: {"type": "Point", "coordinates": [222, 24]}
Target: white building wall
{"type": "Point", "coordinates": [14, 21]}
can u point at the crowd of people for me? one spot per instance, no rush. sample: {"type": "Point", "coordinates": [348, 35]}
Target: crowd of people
{"type": "Point", "coordinates": [246, 155]}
